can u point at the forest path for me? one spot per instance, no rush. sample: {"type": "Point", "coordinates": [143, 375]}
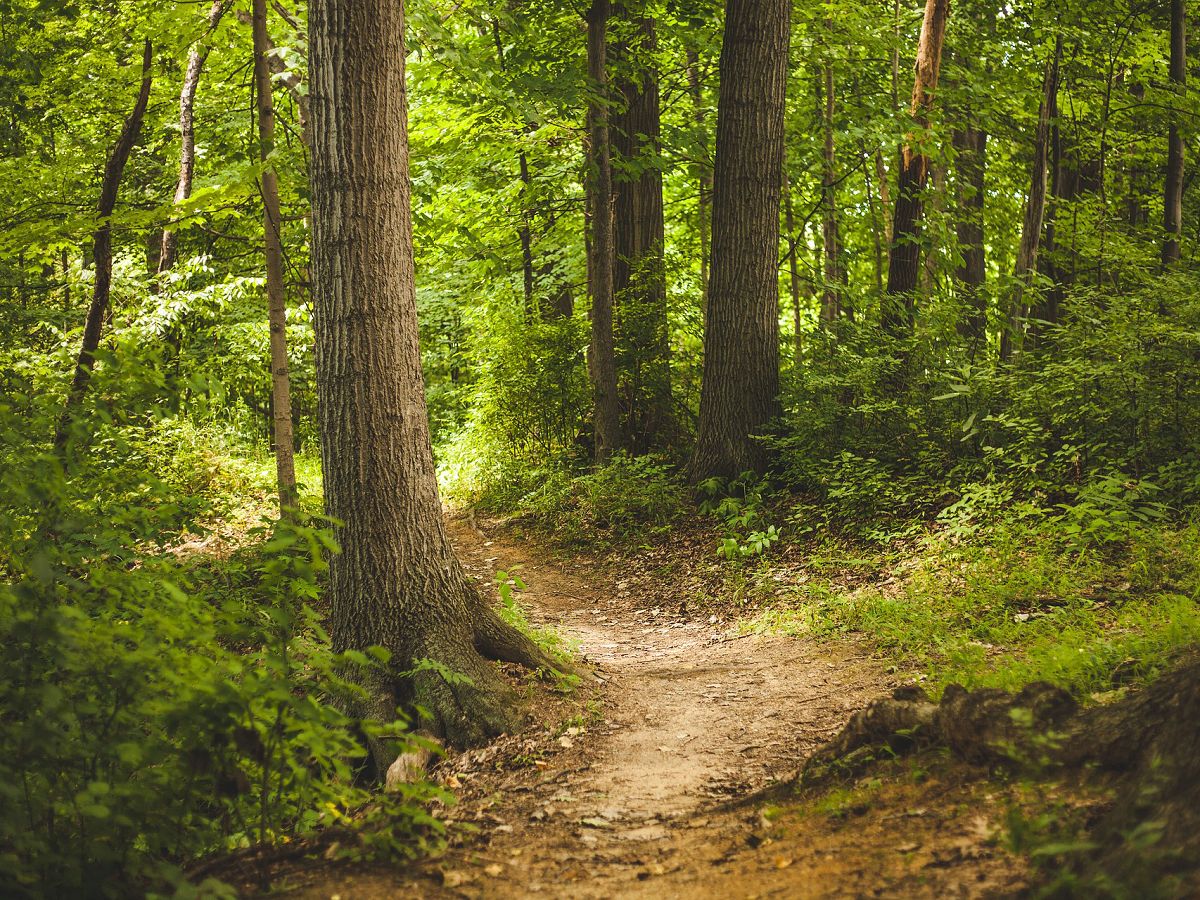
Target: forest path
{"type": "Point", "coordinates": [626, 800]}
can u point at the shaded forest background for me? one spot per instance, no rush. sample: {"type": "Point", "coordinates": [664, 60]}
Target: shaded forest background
{"type": "Point", "coordinates": [978, 355]}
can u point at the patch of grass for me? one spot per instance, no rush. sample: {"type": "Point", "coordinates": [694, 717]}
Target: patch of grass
{"type": "Point", "coordinates": [1014, 606]}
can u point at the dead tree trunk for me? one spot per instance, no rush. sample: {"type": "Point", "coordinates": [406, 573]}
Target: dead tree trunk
{"type": "Point", "coordinates": [396, 582]}
{"type": "Point", "coordinates": [740, 385]}
{"type": "Point", "coordinates": [1173, 205]}
{"type": "Point", "coordinates": [114, 169]}
{"type": "Point", "coordinates": [187, 132]}
{"type": "Point", "coordinates": [1035, 207]}
{"type": "Point", "coordinates": [904, 268]}
{"type": "Point", "coordinates": [281, 394]}
{"type": "Point", "coordinates": [606, 414]}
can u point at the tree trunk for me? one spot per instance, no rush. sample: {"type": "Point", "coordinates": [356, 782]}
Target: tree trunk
{"type": "Point", "coordinates": [740, 385]}
{"type": "Point", "coordinates": [1173, 205]}
{"type": "Point", "coordinates": [602, 366]}
{"type": "Point", "coordinates": [187, 132]}
{"type": "Point", "coordinates": [831, 298]}
{"type": "Point", "coordinates": [639, 276]}
{"type": "Point", "coordinates": [281, 395]}
{"type": "Point", "coordinates": [1035, 207]}
{"type": "Point", "coordinates": [970, 144]}
{"type": "Point", "coordinates": [905, 265]}
{"type": "Point", "coordinates": [102, 250]}
{"type": "Point", "coordinates": [397, 582]}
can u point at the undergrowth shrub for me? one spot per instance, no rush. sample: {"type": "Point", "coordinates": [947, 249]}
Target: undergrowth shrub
{"type": "Point", "coordinates": [623, 499]}
{"type": "Point", "coordinates": [154, 713]}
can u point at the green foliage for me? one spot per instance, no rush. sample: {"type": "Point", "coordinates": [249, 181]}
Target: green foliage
{"type": "Point", "coordinates": [627, 498]}
{"type": "Point", "coordinates": [1014, 605]}
{"type": "Point", "coordinates": [155, 711]}
{"type": "Point", "coordinates": [741, 507]}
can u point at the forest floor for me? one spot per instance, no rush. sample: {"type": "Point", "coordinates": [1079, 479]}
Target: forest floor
{"type": "Point", "coordinates": [646, 780]}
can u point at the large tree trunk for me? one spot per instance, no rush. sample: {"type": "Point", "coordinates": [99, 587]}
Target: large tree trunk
{"type": "Point", "coordinates": [831, 297]}
{"type": "Point", "coordinates": [1173, 206]}
{"type": "Point", "coordinates": [904, 268]}
{"type": "Point", "coordinates": [740, 387]}
{"type": "Point", "coordinates": [970, 144]}
{"type": "Point", "coordinates": [281, 392]}
{"type": "Point", "coordinates": [1035, 207]}
{"type": "Point", "coordinates": [102, 250]}
{"type": "Point", "coordinates": [397, 582]}
{"type": "Point", "coordinates": [639, 276]}
{"type": "Point", "coordinates": [606, 414]}
{"type": "Point", "coordinates": [187, 132]}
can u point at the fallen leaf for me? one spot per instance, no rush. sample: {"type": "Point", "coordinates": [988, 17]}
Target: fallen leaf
{"type": "Point", "coordinates": [495, 870]}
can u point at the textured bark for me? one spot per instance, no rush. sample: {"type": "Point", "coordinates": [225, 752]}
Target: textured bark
{"type": "Point", "coordinates": [187, 131]}
{"type": "Point", "coordinates": [397, 582]}
{"type": "Point", "coordinates": [831, 297]}
{"type": "Point", "coordinates": [281, 392]}
{"type": "Point", "coordinates": [110, 185]}
{"type": "Point", "coordinates": [904, 266]}
{"type": "Point", "coordinates": [970, 144]}
{"type": "Point", "coordinates": [602, 367]}
{"type": "Point", "coordinates": [639, 275]}
{"type": "Point", "coordinates": [1035, 207]}
{"type": "Point", "coordinates": [740, 386]}
{"type": "Point", "coordinates": [1173, 199]}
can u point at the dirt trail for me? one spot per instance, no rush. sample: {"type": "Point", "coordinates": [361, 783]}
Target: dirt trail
{"type": "Point", "coordinates": [629, 804]}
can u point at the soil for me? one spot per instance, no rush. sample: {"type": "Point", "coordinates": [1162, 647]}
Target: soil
{"type": "Point", "coordinates": [646, 780]}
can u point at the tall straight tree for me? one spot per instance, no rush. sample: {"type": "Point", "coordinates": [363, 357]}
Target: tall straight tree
{"type": "Point", "coordinates": [602, 365]}
{"type": "Point", "coordinates": [1035, 208]}
{"type": "Point", "coordinates": [740, 386]}
{"type": "Point", "coordinates": [102, 256]}
{"type": "Point", "coordinates": [396, 582]}
{"type": "Point", "coordinates": [1173, 201]}
{"type": "Point", "coordinates": [639, 275]}
{"type": "Point", "coordinates": [831, 298]}
{"type": "Point", "coordinates": [281, 388]}
{"type": "Point", "coordinates": [904, 268]}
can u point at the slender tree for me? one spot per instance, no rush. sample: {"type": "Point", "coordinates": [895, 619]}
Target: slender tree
{"type": "Point", "coordinates": [281, 391]}
{"type": "Point", "coordinates": [904, 266]}
{"type": "Point", "coordinates": [1035, 207]}
{"type": "Point", "coordinates": [396, 582]}
{"type": "Point", "coordinates": [110, 185]}
{"type": "Point", "coordinates": [740, 384]}
{"type": "Point", "coordinates": [197, 56]}
{"type": "Point", "coordinates": [1173, 201]}
{"type": "Point", "coordinates": [703, 173]}
{"type": "Point", "coordinates": [602, 366]}
{"type": "Point", "coordinates": [831, 298]}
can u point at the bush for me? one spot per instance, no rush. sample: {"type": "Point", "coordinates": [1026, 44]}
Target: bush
{"type": "Point", "coordinates": [152, 716]}
{"type": "Point", "coordinates": [617, 502]}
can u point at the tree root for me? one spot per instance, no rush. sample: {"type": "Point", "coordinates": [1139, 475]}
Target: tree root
{"type": "Point", "coordinates": [1147, 742]}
